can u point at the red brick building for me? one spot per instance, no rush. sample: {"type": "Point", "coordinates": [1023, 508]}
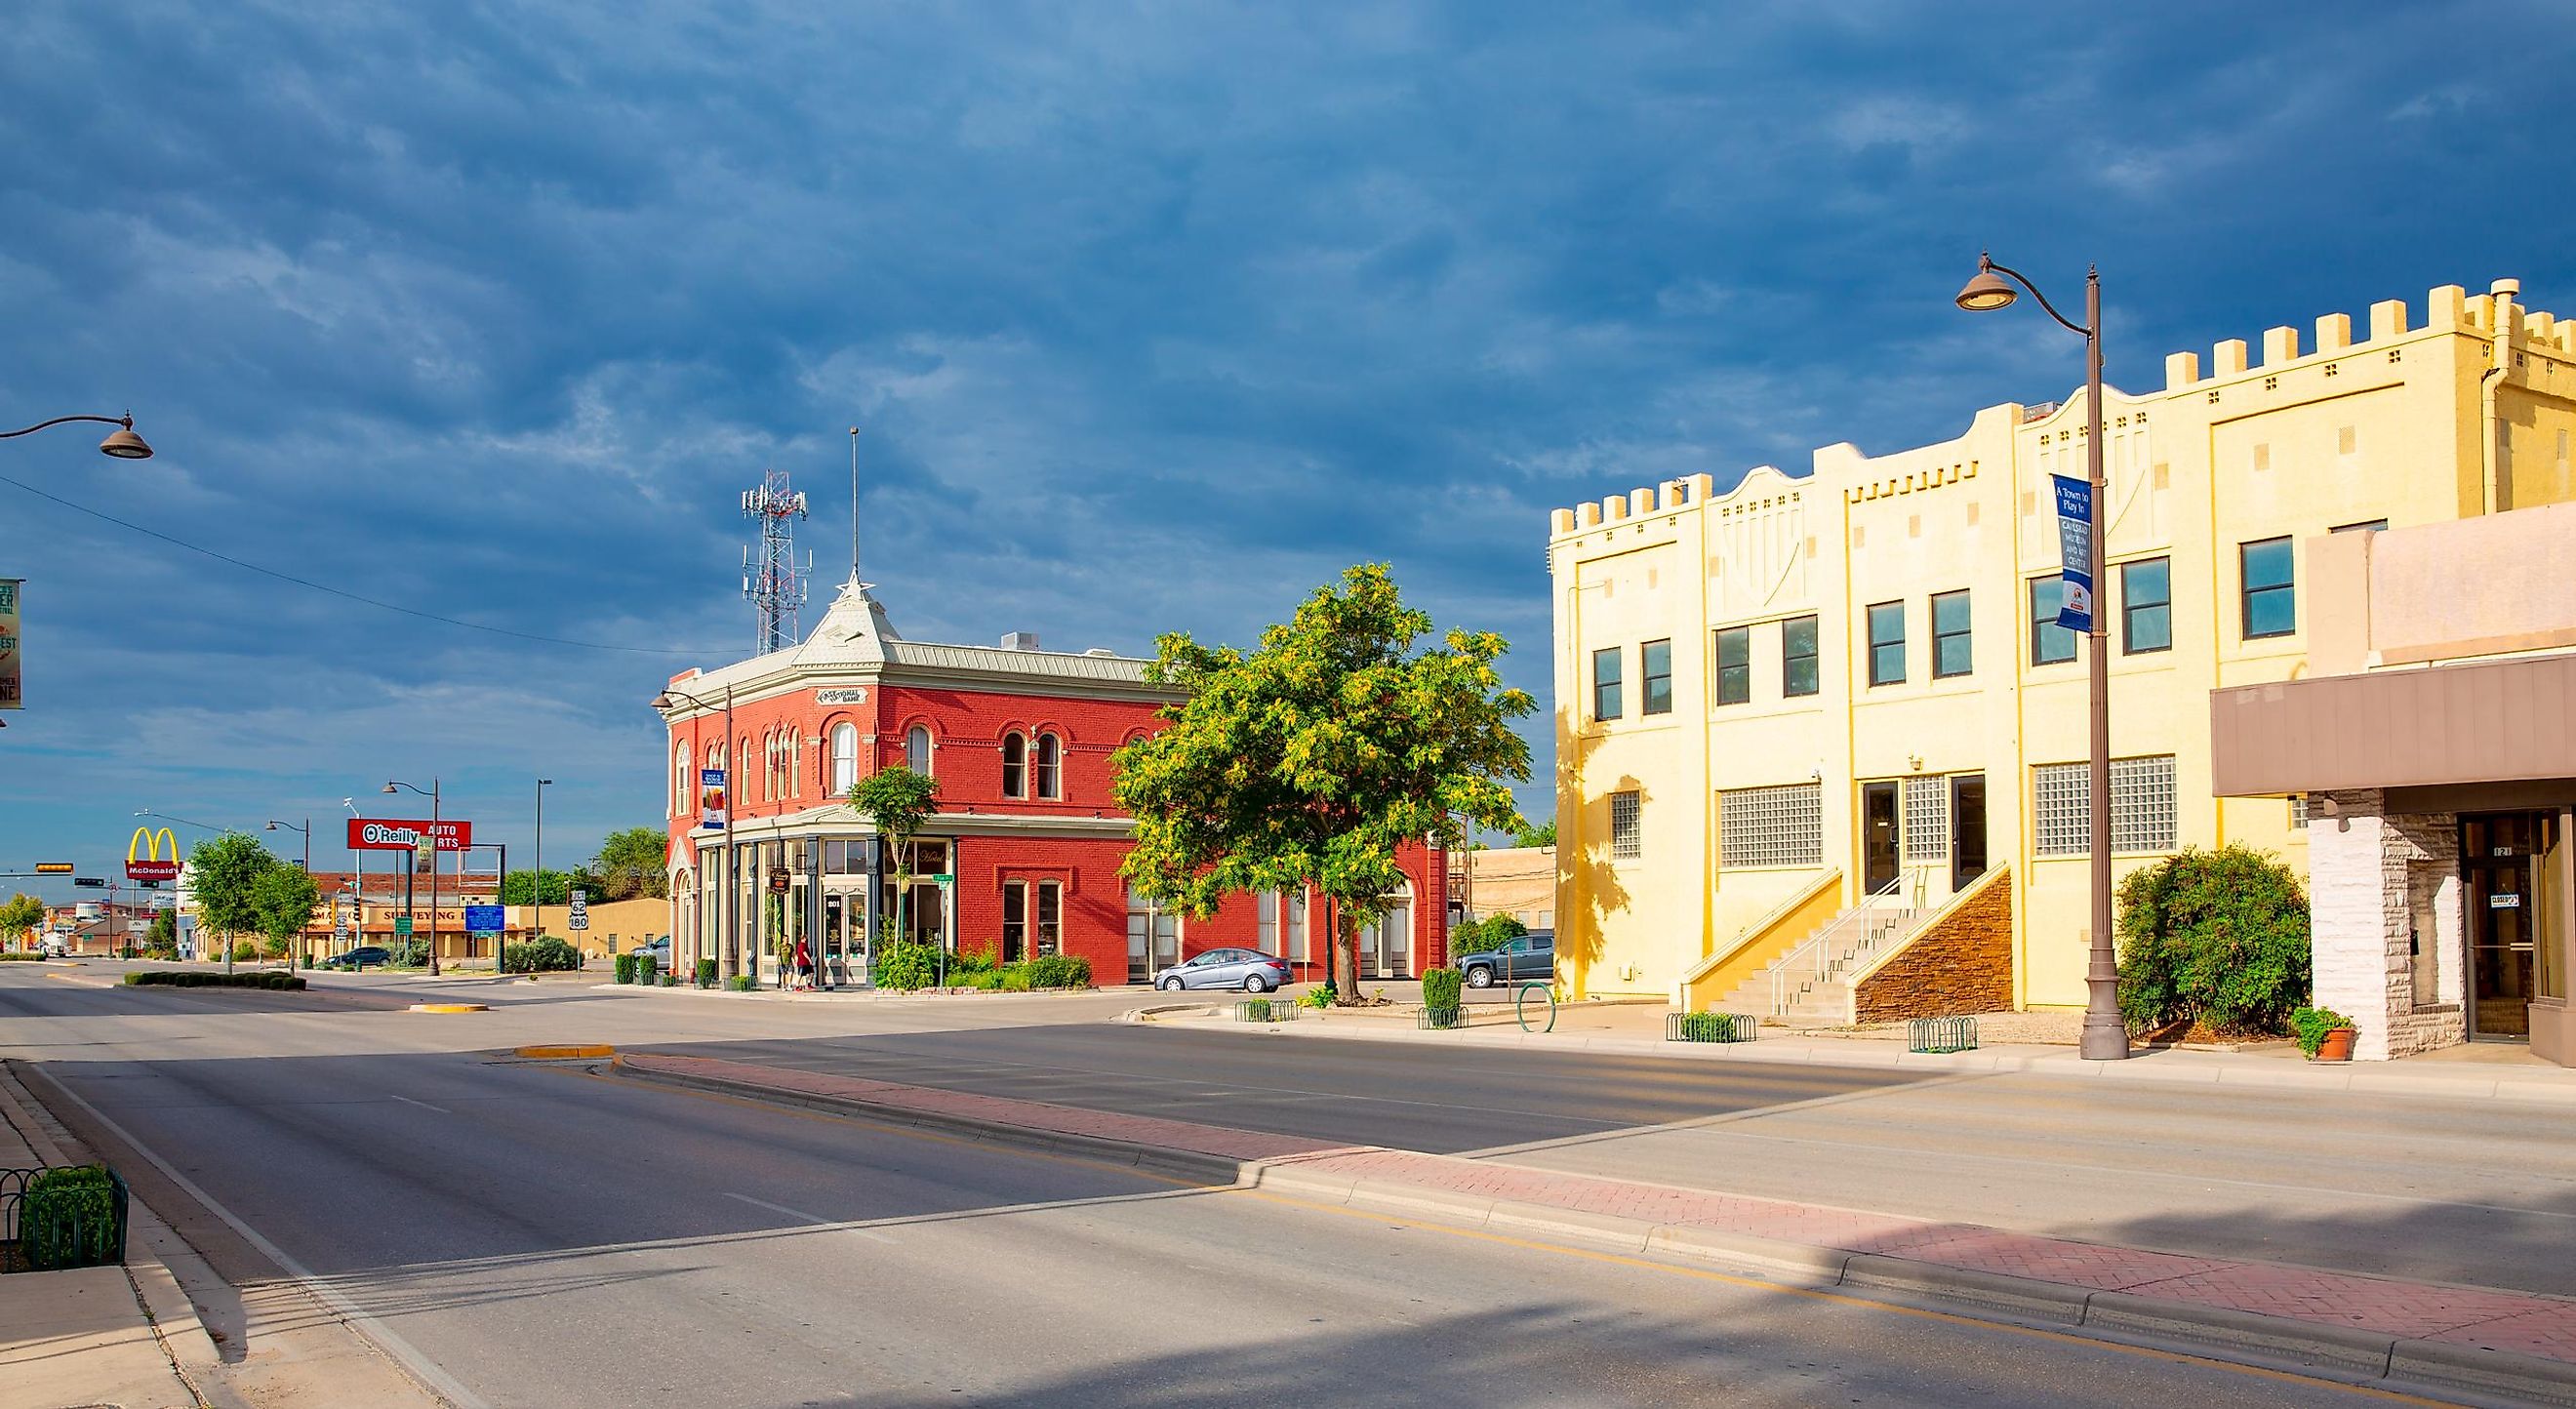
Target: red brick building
{"type": "Point", "coordinates": [1028, 839]}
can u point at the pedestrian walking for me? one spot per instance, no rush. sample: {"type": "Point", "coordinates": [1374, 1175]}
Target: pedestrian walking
{"type": "Point", "coordinates": [804, 963]}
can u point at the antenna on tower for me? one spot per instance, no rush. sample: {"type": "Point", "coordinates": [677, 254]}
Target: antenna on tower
{"type": "Point", "coordinates": [776, 585]}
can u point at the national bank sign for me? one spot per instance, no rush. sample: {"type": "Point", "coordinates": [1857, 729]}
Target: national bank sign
{"type": "Point", "coordinates": [395, 834]}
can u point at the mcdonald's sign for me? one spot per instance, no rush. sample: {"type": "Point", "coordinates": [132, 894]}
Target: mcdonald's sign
{"type": "Point", "coordinates": [143, 855]}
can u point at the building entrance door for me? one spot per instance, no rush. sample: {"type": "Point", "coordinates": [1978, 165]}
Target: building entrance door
{"type": "Point", "coordinates": [2499, 858]}
{"type": "Point", "coordinates": [1878, 853]}
{"type": "Point", "coordinates": [1967, 829]}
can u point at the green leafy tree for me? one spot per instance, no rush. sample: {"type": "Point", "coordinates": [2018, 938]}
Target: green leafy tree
{"type": "Point", "coordinates": [19, 916]}
{"type": "Point", "coordinates": [2220, 937]}
{"type": "Point", "coordinates": [285, 898]}
{"type": "Point", "coordinates": [630, 863]}
{"type": "Point", "coordinates": [223, 878]}
{"type": "Point", "coordinates": [537, 888]}
{"type": "Point", "coordinates": [1312, 759]}
{"type": "Point", "coordinates": [1544, 834]}
{"type": "Point", "coordinates": [897, 801]}
{"type": "Point", "coordinates": [162, 940]}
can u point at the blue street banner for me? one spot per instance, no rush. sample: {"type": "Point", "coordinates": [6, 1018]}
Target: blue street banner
{"type": "Point", "coordinates": [483, 919]}
{"type": "Point", "coordinates": [2075, 552]}
{"type": "Point", "coordinates": [711, 797]}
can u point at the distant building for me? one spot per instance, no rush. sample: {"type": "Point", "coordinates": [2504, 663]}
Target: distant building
{"type": "Point", "coordinates": [1023, 857]}
{"type": "Point", "coordinates": [1822, 746]}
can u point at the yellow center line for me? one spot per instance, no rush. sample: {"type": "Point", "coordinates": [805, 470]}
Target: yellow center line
{"type": "Point", "coordinates": [887, 1125]}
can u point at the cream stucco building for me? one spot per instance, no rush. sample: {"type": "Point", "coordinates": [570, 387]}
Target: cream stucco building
{"type": "Point", "coordinates": [1816, 688]}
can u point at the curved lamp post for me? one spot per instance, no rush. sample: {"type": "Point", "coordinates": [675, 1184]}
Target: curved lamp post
{"type": "Point", "coordinates": [430, 792]}
{"type": "Point", "coordinates": [2105, 1037]}
{"type": "Point", "coordinates": [122, 442]}
{"type": "Point", "coordinates": [303, 951]}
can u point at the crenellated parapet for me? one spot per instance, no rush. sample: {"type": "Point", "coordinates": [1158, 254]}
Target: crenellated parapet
{"type": "Point", "coordinates": [2448, 309]}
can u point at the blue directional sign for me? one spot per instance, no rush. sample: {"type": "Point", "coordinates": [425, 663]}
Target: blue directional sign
{"type": "Point", "coordinates": [483, 919]}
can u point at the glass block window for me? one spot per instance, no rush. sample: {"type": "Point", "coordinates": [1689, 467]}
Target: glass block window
{"type": "Point", "coordinates": [1655, 664]}
{"type": "Point", "coordinates": [1951, 653]}
{"type": "Point", "coordinates": [2146, 606]}
{"type": "Point", "coordinates": [2298, 812]}
{"type": "Point", "coordinates": [2142, 806]}
{"type": "Point", "coordinates": [2271, 598]}
{"type": "Point", "coordinates": [2050, 643]}
{"type": "Point", "coordinates": [1887, 643]}
{"type": "Point", "coordinates": [1797, 657]}
{"type": "Point", "coordinates": [1606, 703]}
{"type": "Point", "coordinates": [1735, 663]}
{"type": "Point", "coordinates": [1771, 826]}
{"type": "Point", "coordinates": [1926, 826]}
{"type": "Point", "coordinates": [1626, 834]}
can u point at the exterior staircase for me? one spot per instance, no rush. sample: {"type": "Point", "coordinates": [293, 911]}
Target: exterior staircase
{"type": "Point", "coordinates": [1812, 984]}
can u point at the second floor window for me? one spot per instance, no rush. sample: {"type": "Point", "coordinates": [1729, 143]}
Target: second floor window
{"type": "Point", "coordinates": [2146, 606]}
{"type": "Point", "coordinates": [916, 750]}
{"type": "Point", "coordinates": [2050, 643]}
{"type": "Point", "coordinates": [1797, 656]}
{"type": "Point", "coordinates": [1606, 703]}
{"type": "Point", "coordinates": [1050, 766]}
{"type": "Point", "coordinates": [845, 759]}
{"type": "Point", "coordinates": [1735, 664]}
{"type": "Point", "coordinates": [1656, 660]}
{"type": "Point", "coordinates": [2271, 601]}
{"type": "Point", "coordinates": [1887, 643]}
{"type": "Point", "coordinates": [1015, 765]}
{"type": "Point", "coordinates": [1951, 653]}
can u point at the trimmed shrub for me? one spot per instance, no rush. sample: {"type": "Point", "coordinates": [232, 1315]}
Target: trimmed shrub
{"type": "Point", "coordinates": [68, 1218]}
{"type": "Point", "coordinates": [244, 951]}
{"type": "Point", "coordinates": [706, 973]}
{"type": "Point", "coordinates": [407, 954]}
{"type": "Point", "coordinates": [742, 983]}
{"type": "Point", "coordinates": [645, 967]}
{"type": "Point", "coordinates": [542, 955]}
{"type": "Point", "coordinates": [2220, 937]}
{"type": "Point", "coordinates": [1058, 971]}
{"type": "Point", "coordinates": [670, 980]}
{"type": "Point", "coordinates": [1485, 935]}
{"type": "Point", "coordinates": [277, 979]}
{"type": "Point", "coordinates": [1441, 987]}
{"type": "Point", "coordinates": [625, 967]}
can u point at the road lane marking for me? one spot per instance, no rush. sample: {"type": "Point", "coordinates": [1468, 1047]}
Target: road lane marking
{"type": "Point", "coordinates": [424, 1105]}
{"type": "Point", "coordinates": [403, 1351]}
{"type": "Point", "coordinates": [818, 1220]}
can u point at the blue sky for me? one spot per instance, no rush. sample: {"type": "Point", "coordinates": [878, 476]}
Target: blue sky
{"type": "Point", "coordinates": [1155, 315]}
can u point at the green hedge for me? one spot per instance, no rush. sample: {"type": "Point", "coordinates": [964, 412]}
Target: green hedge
{"type": "Point", "coordinates": [706, 973]}
{"type": "Point", "coordinates": [625, 967]}
{"type": "Point", "coordinates": [68, 1218]}
{"type": "Point", "coordinates": [22, 956]}
{"type": "Point", "coordinates": [2217, 936]}
{"type": "Point", "coordinates": [647, 968]}
{"type": "Point", "coordinates": [191, 978]}
{"type": "Point", "coordinates": [906, 968]}
{"type": "Point", "coordinates": [742, 983]}
{"type": "Point", "coordinates": [1441, 987]}
{"type": "Point", "coordinates": [543, 955]}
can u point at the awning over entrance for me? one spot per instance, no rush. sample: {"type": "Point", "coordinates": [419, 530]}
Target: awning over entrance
{"type": "Point", "coordinates": [2492, 721]}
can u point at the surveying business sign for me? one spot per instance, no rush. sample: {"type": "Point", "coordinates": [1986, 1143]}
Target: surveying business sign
{"type": "Point", "coordinates": [2074, 552]}
{"type": "Point", "coordinates": [396, 834]}
{"type": "Point", "coordinates": [143, 855]}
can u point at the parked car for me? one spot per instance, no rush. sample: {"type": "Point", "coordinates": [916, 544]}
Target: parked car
{"type": "Point", "coordinates": [1532, 956]}
{"type": "Point", "coordinates": [660, 949]}
{"type": "Point", "coordinates": [358, 958]}
{"type": "Point", "coordinates": [1226, 968]}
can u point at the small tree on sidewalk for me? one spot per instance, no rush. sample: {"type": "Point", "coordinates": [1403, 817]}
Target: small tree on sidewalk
{"type": "Point", "coordinates": [285, 897]}
{"type": "Point", "coordinates": [1312, 759]}
{"type": "Point", "coordinates": [897, 801]}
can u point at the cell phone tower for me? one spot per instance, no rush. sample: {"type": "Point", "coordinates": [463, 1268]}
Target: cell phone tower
{"type": "Point", "coordinates": [775, 585]}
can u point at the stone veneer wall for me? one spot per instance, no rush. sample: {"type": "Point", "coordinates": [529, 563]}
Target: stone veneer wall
{"type": "Point", "coordinates": [2365, 868]}
{"type": "Point", "coordinates": [1961, 963]}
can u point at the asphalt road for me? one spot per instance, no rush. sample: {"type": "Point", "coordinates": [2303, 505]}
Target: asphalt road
{"type": "Point", "coordinates": [546, 1237]}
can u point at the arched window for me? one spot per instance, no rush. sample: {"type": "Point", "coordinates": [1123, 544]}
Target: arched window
{"type": "Point", "coordinates": [795, 763]}
{"type": "Point", "coordinates": [681, 793]}
{"type": "Point", "coordinates": [845, 758]}
{"type": "Point", "coordinates": [1015, 764]}
{"type": "Point", "coordinates": [916, 749]}
{"type": "Point", "coordinates": [1050, 768]}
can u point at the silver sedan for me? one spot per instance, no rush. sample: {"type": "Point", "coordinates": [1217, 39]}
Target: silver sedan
{"type": "Point", "coordinates": [1225, 968]}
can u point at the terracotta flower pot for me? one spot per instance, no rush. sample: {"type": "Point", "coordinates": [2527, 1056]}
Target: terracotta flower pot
{"type": "Point", "coordinates": [2337, 1047]}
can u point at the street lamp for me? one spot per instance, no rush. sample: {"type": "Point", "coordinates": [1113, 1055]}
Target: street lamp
{"type": "Point", "coordinates": [667, 701]}
{"type": "Point", "coordinates": [122, 442]}
{"type": "Point", "coordinates": [2105, 1037]}
{"type": "Point", "coordinates": [537, 881]}
{"type": "Point", "coordinates": [307, 830]}
{"type": "Point", "coordinates": [430, 792]}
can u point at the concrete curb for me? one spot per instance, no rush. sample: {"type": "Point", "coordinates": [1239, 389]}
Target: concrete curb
{"type": "Point", "coordinates": [2218, 1332]}
{"type": "Point", "coordinates": [2545, 1088]}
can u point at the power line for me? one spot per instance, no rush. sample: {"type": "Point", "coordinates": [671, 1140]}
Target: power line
{"type": "Point", "coordinates": [348, 595]}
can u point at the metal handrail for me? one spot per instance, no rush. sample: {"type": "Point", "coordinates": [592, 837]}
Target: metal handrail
{"type": "Point", "coordinates": [1821, 958]}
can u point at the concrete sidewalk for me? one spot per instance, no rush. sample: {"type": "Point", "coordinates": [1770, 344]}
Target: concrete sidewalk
{"type": "Point", "coordinates": [2457, 1073]}
{"type": "Point", "coordinates": [92, 1335]}
{"type": "Point", "coordinates": [2356, 1326]}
